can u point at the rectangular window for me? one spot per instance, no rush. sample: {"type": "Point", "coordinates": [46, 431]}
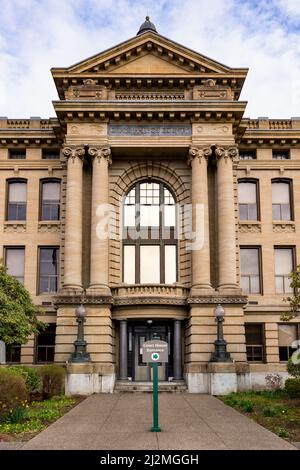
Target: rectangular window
{"type": "Point", "coordinates": [50, 154]}
{"type": "Point", "coordinates": [250, 270]}
{"type": "Point", "coordinates": [170, 264]}
{"type": "Point", "coordinates": [17, 154]}
{"type": "Point", "coordinates": [247, 154]}
{"type": "Point", "coordinates": [281, 200]}
{"type": "Point", "coordinates": [48, 270]}
{"type": "Point", "coordinates": [129, 264]}
{"type": "Point", "coordinates": [280, 154]}
{"type": "Point", "coordinates": [50, 200]}
{"type": "Point", "coordinates": [17, 197]}
{"type": "Point", "coordinates": [254, 342]}
{"type": "Point", "coordinates": [13, 353]}
{"type": "Point", "coordinates": [150, 264]}
{"type": "Point", "coordinates": [15, 262]}
{"type": "Point", "coordinates": [247, 195]}
{"type": "Point", "coordinates": [284, 265]}
{"type": "Point", "coordinates": [287, 334]}
{"type": "Point", "coordinates": [45, 344]}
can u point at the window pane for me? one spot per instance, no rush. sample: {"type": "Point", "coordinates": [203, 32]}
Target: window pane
{"type": "Point", "coordinates": [129, 264]}
{"type": "Point", "coordinates": [280, 193]}
{"type": "Point", "coordinates": [287, 334]}
{"type": "Point", "coordinates": [285, 212]}
{"type": "Point", "coordinates": [149, 193]}
{"type": "Point", "coordinates": [276, 212]}
{"type": "Point", "coordinates": [170, 264]}
{"type": "Point", "coordinates": [279, 284]}
{"type": "Point", "coordinates": [247, 193]}
{"type": "Point", "coordinates": [150, 264]}
{"type": "Point", "coordinates": [51, 191]}
{"type": "Point", "coordinates": [17, 192]}
{"type": "Point", "coordinates": [245, 284]}
{"type": "Point", "coordinates": [283, 260]}
{"type": "Point", "coordinates": [252, 211]}
{"type": "Point", "coordinates": [249, 261]}
{"type": "Point", "coordinates": [253, 334]}
{"type": "Point", "coordinates": [287, 285]}
{"type": "Point", "coordinates": [149, 216]}
{"type": "Point", "coordinates": [15, 261]}
{"type": "Point", "coordinates": [254, 285]}
{"type": "Point", "coordinates": [169, 216]}
{"type": "Point", "coordinates": [129, 216]}
{"type": "Point", "coordinates": [243, 208]}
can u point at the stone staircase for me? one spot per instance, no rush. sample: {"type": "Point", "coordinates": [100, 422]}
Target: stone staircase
{"type": "Point", "coordinates": [175, 386]}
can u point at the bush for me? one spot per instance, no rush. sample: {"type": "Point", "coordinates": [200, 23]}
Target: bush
{"type": "Point", "coordinates": [292, 387]}
{"type": "Point", "coordinates": [246, 405]}
{"type": "Point", "coordinates": [268, 412]}
{"type": "Point", "coordinates": [12, 385]}
{"type": "Point", "coordinates": [53, 378]}
{"type": "Point", "coordinates": [31, 376]}
{"type": "Point", "coordinates": [293, 369]}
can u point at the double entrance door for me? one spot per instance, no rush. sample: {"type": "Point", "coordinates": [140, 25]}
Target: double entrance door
{"type": "Point", "coordinates": [141, 333]}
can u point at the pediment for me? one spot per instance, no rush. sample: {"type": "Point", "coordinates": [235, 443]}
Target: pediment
{"type": "Point", "coordinates": [147, 53]}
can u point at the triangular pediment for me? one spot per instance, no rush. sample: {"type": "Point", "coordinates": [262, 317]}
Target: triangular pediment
{"type": "Point", "coordinates": [147, 53]}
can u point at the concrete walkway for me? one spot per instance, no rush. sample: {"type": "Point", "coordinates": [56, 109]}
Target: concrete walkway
{"type": "Point", "coordinates": [122, 421]}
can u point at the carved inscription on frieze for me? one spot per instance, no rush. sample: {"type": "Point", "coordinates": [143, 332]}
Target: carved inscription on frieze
{"type": "Point", "coordinates": [148, 130]}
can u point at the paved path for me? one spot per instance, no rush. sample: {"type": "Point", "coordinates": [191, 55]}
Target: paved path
{"type": "Point", "coordinates": [122, 421]}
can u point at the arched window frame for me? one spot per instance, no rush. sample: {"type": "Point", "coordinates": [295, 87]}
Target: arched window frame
{"type": "Point", "coordinates": [9, 182]}
{"type": "Point", "coordinates": [42, 182]}
{"type": "Point", "coordinates": [159, 238]}
{"type": "Point", "coordinates": [256, 182]}
{"type": "Point", "coordinates": [289, 182]}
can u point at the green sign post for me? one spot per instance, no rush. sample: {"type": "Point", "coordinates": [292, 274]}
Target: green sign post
{"type": "Point", "coordinates": [155, 352]}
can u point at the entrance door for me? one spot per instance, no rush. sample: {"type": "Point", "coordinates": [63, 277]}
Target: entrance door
{"type": "Point", "coordinates": [143, 371]}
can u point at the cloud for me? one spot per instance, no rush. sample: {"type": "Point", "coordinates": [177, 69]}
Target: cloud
{"type": "Point", "coordinates": [36, 35]}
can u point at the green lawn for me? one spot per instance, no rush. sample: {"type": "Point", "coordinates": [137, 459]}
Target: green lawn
{"type": "Point", "coordinates": [33, 417]}
{"type": "Point", "coordinates": [272, 409]}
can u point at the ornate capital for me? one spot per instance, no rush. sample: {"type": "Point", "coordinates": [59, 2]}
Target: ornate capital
{"type": "Point", "coordinates": [199, 152]}
{"type": "Point", "coordinates": [99, 152]}
{"type": "Point", "coordinates": [230, 151]}
{"type": "Point", "coordinates": [74, 151]}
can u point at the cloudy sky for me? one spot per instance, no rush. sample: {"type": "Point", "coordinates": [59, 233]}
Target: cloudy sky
{"type": "Point", "coordinates": [263, 35]}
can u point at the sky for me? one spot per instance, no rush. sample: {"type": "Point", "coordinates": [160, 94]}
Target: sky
{"type": "Point", "coordinates": [263, 35]}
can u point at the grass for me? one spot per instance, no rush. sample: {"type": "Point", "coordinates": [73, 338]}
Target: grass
{"type": "Point", "coordinates": [272, 409]}
{"type": "Point", "coordinates": [36, 416]}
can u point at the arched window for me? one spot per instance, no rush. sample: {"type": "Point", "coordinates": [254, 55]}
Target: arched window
{"type": "Point", "coordinates": [50, 200]}
{"type": "Point", "coordinates": [281, 199]}
{"type": "Point", "coordinates": [149, 235]}
{"type": "Point", "coordinates": [16, 199]}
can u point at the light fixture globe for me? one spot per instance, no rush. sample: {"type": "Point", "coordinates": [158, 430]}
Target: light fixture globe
{"type": "Point", "coordinates": [219, 311]}
{"type": "Point", "coordinates": [80, 311]}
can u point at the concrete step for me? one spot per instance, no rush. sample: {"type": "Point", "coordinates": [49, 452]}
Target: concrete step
{"type": "Point", "coordinates": [175, 386]}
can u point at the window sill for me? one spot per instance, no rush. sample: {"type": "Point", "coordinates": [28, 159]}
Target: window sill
{"type": "Point", "coordinates": [280, 226]}
{"type": "Point", "coordinates": [14, 226]}
{"type": "Point", "coordinates": [249, 226]}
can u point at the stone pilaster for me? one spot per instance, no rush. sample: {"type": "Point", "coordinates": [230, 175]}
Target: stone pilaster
{"type": "Point", "coordinates": [226, 218]}
{"type": "Point", "coordinates": [101, 156]}
{"type": "Point", "coordinates": [73, 227]}
{"type": "Point", "coordinates": [201, 282]}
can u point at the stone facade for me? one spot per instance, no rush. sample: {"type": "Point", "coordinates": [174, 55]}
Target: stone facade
{"type": "Point", "coordinates": [152, 110]}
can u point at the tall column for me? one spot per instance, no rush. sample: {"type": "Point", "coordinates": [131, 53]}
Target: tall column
{"type": "Point", "coordinates": [73, 227]}
{"type": "Point", "coordinates": [177, 351]}
{"type": "Point", "coordinates": [123, 350]}
{"type": "Point", "coordinates": [198, 156]}
{"type": "Point", "coordinates": [101, 156]}
{"type": "Point", "coordinates": [226, 218]}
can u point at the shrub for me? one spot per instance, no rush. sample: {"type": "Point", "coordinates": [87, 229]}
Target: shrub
{"type": "Point", "coordinates": [31, 376]}
{"type": "Point", "coordinates": [273, 381]}
{"type": "Point", "coordinates": [268, 412]}
{"type": "Point", "coordinates": [246, 406]}
{"type": "Point", "coordinates": [293, 369]}
{"type": "Point", "coordinates": [53, 377]}
{"type": "Point", "coordinates": [12, 385]}
{"type": "Point", "coordinates": [282, 432]}
{"type": "Point", "coordinates": [292, 387]}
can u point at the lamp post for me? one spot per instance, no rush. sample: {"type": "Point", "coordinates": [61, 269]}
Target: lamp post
{"type": "Point", "coordinates": [220, 354]}
{"type": "Point", "coordinates": [80, 354]}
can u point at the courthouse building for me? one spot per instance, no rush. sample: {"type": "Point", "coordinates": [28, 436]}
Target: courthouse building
{"type": "Point", "coordinates": [203, 207]}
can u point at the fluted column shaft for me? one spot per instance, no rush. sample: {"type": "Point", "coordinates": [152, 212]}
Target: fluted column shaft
{"type": "Point", "coordinates": [226, 218]}
{"type": "Point", "coordinates": [198, 157]}
{"type": "Point", "coordinates": [101, 156]}
{"type": "Point", "coordinates": [73, 227]}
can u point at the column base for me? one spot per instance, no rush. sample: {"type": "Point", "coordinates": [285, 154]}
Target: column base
{"type": "Point", "coordinates": [98, 289]}
{"type": "Point", "coordinates": [202, 289]}
{"type": "Point", "coordinates": [71, 289]}
{"type": "Point", "coordinates": [229, 289]}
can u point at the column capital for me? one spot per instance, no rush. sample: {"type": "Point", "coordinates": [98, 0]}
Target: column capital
{"type": "Point", "coordinates": [100, 151]}
{"type": "Point", "coordinates": [200, 152]}
{"type": "Point", "coordinates": [228, 151]}
{"type": "Point", "coordinates": [74, 151]}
